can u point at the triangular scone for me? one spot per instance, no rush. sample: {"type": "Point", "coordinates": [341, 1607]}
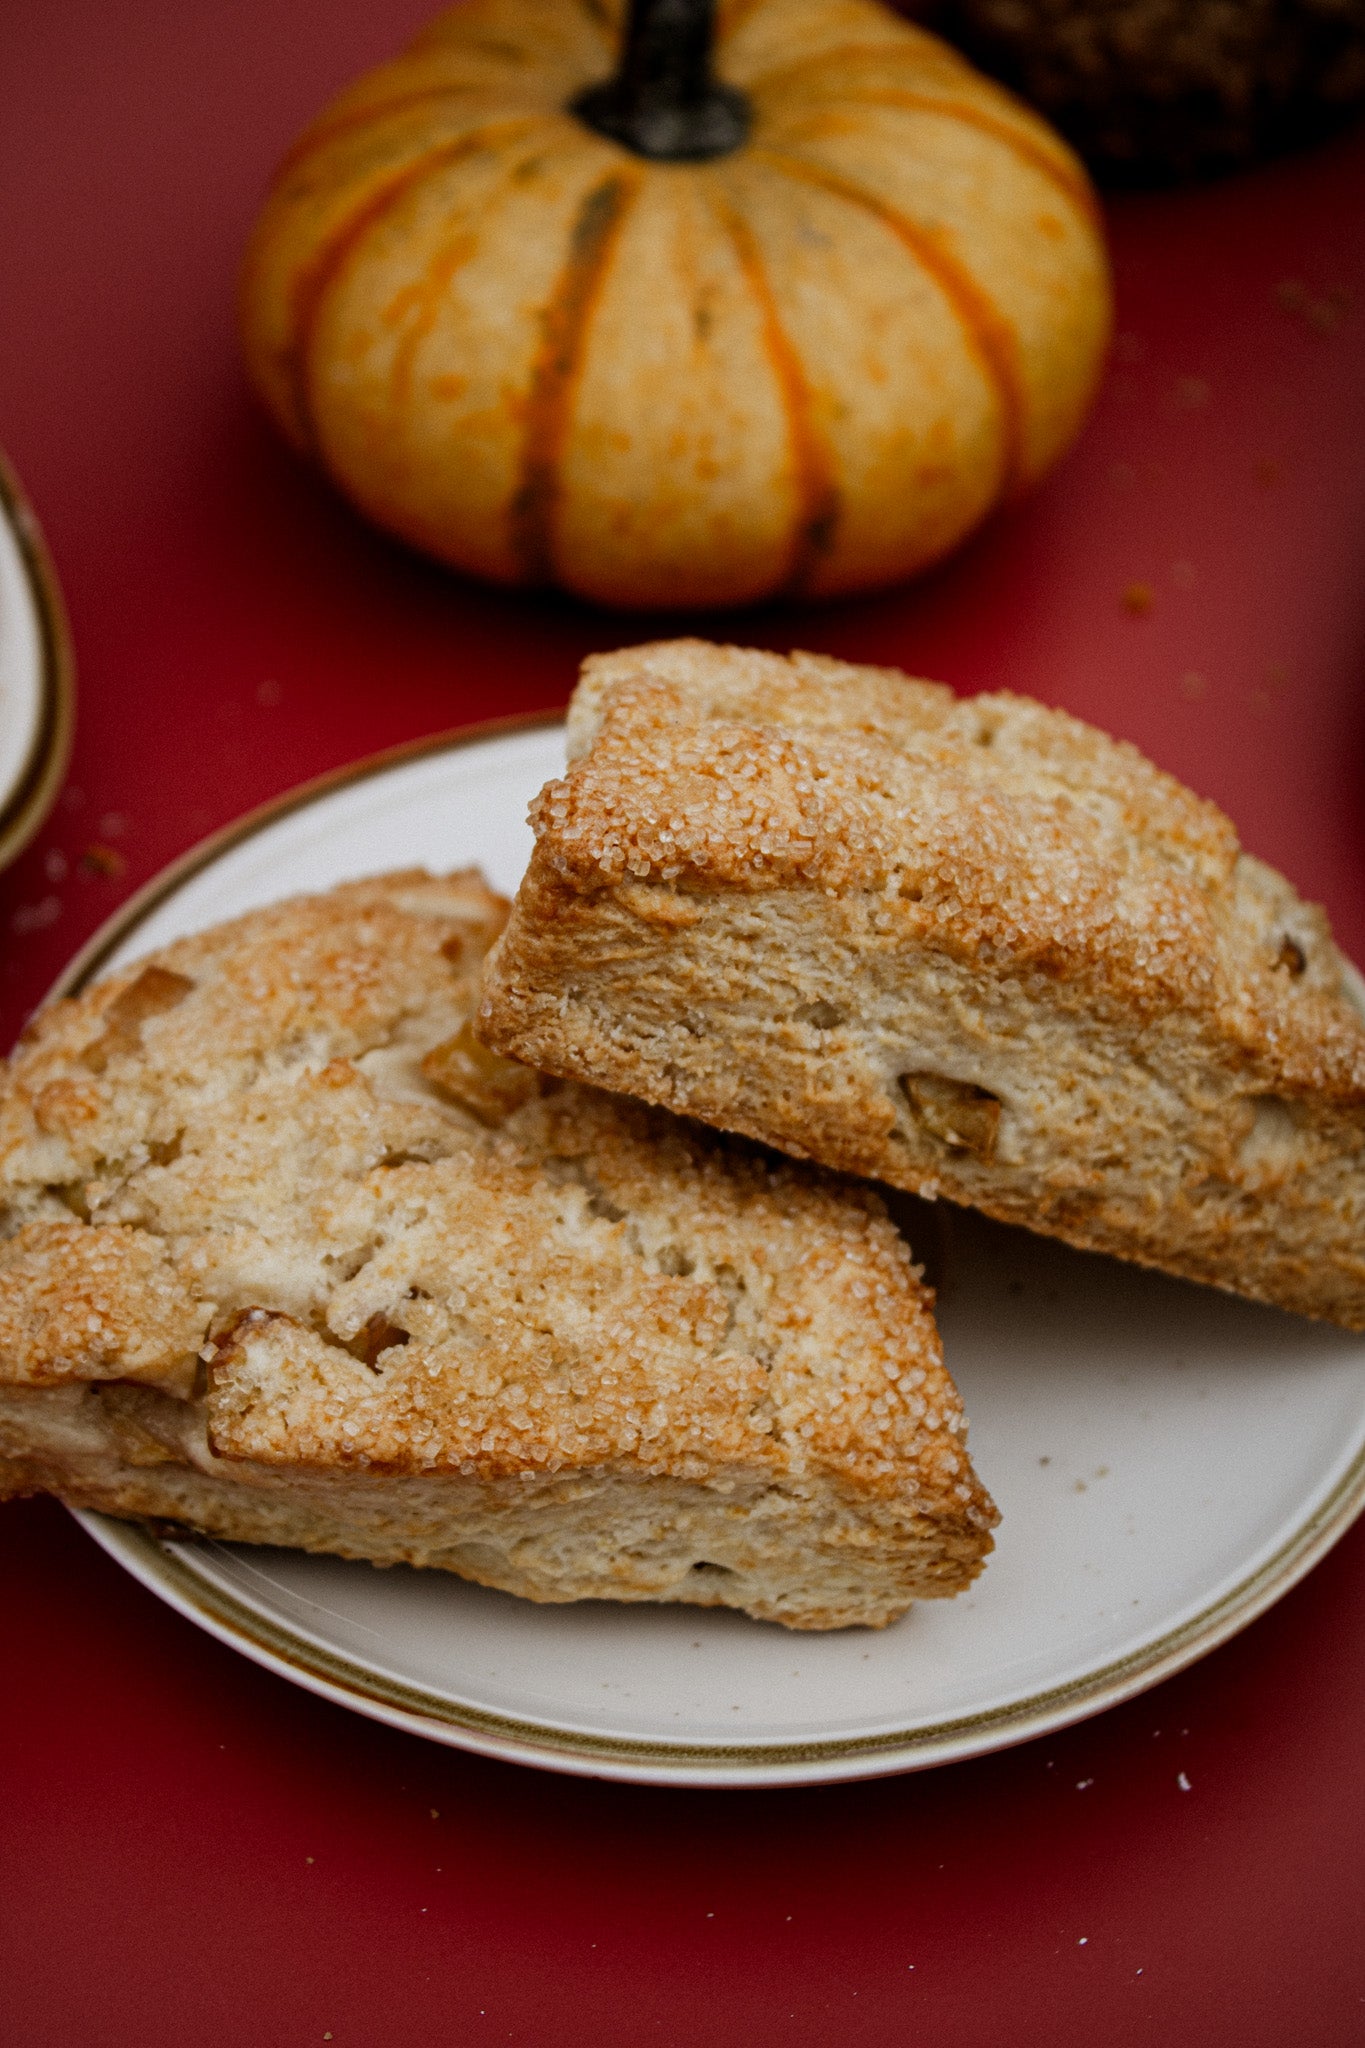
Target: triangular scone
{"type": "Point", "coordinates": [290, 1258]}
{"type": "Point", "coordinates": [973, 948]}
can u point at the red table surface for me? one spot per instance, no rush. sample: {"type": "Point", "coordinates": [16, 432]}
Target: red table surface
{"type": "Point", "coordinates": [193, 1850]}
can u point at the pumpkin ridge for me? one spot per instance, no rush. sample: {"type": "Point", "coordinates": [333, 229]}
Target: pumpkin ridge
{"type": "Point", "coordinates": [312, 285]}
{"type": "Point", "coordinates": [925, 52]}
{"type": "Point", "coordinates": [427, 301]}
{"type": "Point", "coordinates": [989, 334]}
{"type": "Point", "coordinates": [1077, 190]}
{"type": "Point", "coordinates": [558, 365]}
{"type": "Point", "coordinates": [817, 493]}
{"type": "Point", "coordinates": [324, 132]}
{"type": "Point", "coordinates": [946, 58]}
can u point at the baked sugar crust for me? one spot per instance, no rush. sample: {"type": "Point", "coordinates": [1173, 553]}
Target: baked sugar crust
{"type": "Point", "coordinates": [289, 1257]}
{"type": "Point", "coordinates": [972, 948]}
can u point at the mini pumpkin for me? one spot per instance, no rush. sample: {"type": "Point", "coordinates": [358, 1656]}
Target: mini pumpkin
{"type": "Point", "coordinates": [562, 299]}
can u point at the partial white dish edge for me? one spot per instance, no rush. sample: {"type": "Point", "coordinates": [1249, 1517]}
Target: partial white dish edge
{"type": "Point", "coordinates": [37, 673]}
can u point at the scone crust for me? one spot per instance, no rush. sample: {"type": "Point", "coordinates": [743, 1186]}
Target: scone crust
{"type": "Point", "coordinates": [274, 1221]}
{"type": "Point", "coordinates": [837, 909]}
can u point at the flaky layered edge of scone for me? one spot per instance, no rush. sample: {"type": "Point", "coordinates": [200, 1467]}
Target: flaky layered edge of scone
{"type": "Point", "coordinates": [970, 947]}
{"type": "Point", "coordinates": [289, 1258]}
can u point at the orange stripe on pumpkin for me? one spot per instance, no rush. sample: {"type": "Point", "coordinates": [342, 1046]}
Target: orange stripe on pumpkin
{"type": "Point", "coordinates": [817, 495]}
{"type": "Point", "coordinates": [912, 45]}
{"type": "Point", "coordinates": [312, 283]}
{"type": "Point", "coordinates": [558, 365]}
{"type": "Point", "coordinates": [992, 339]}
{"type": "Point", "coordinates": [417, 308]}
{"type": "Point", "coordinates": [1076, 188]}
{"type": "Point", "coordinates": [324, 131]}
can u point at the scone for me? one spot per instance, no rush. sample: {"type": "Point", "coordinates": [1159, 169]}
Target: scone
{"type": "Point", "coordinates": [973, 948]}
{"type": "Point", "coordinates": [289, 1258]}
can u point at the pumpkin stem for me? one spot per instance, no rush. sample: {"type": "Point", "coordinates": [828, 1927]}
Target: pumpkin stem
{"type": "Point", "coordinates": [663, 101]}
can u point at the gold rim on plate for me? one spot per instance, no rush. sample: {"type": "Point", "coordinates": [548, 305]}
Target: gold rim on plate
{"type": "Point", "coordinates": [162, 1565]}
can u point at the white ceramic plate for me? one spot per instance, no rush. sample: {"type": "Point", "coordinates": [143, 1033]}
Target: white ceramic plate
{"type": "Point", "coordinates": [35, 674]}
{"type": "Point", "coordinates": [1167, 1461]}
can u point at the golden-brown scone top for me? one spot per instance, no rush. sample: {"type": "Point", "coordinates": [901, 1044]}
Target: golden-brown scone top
{"type": "Point", "coordinates": [991, 823]}
{"type": "Point", "coordinates": [971, 947]}
{"type": "Point", "coordinates": [275, 1155]}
